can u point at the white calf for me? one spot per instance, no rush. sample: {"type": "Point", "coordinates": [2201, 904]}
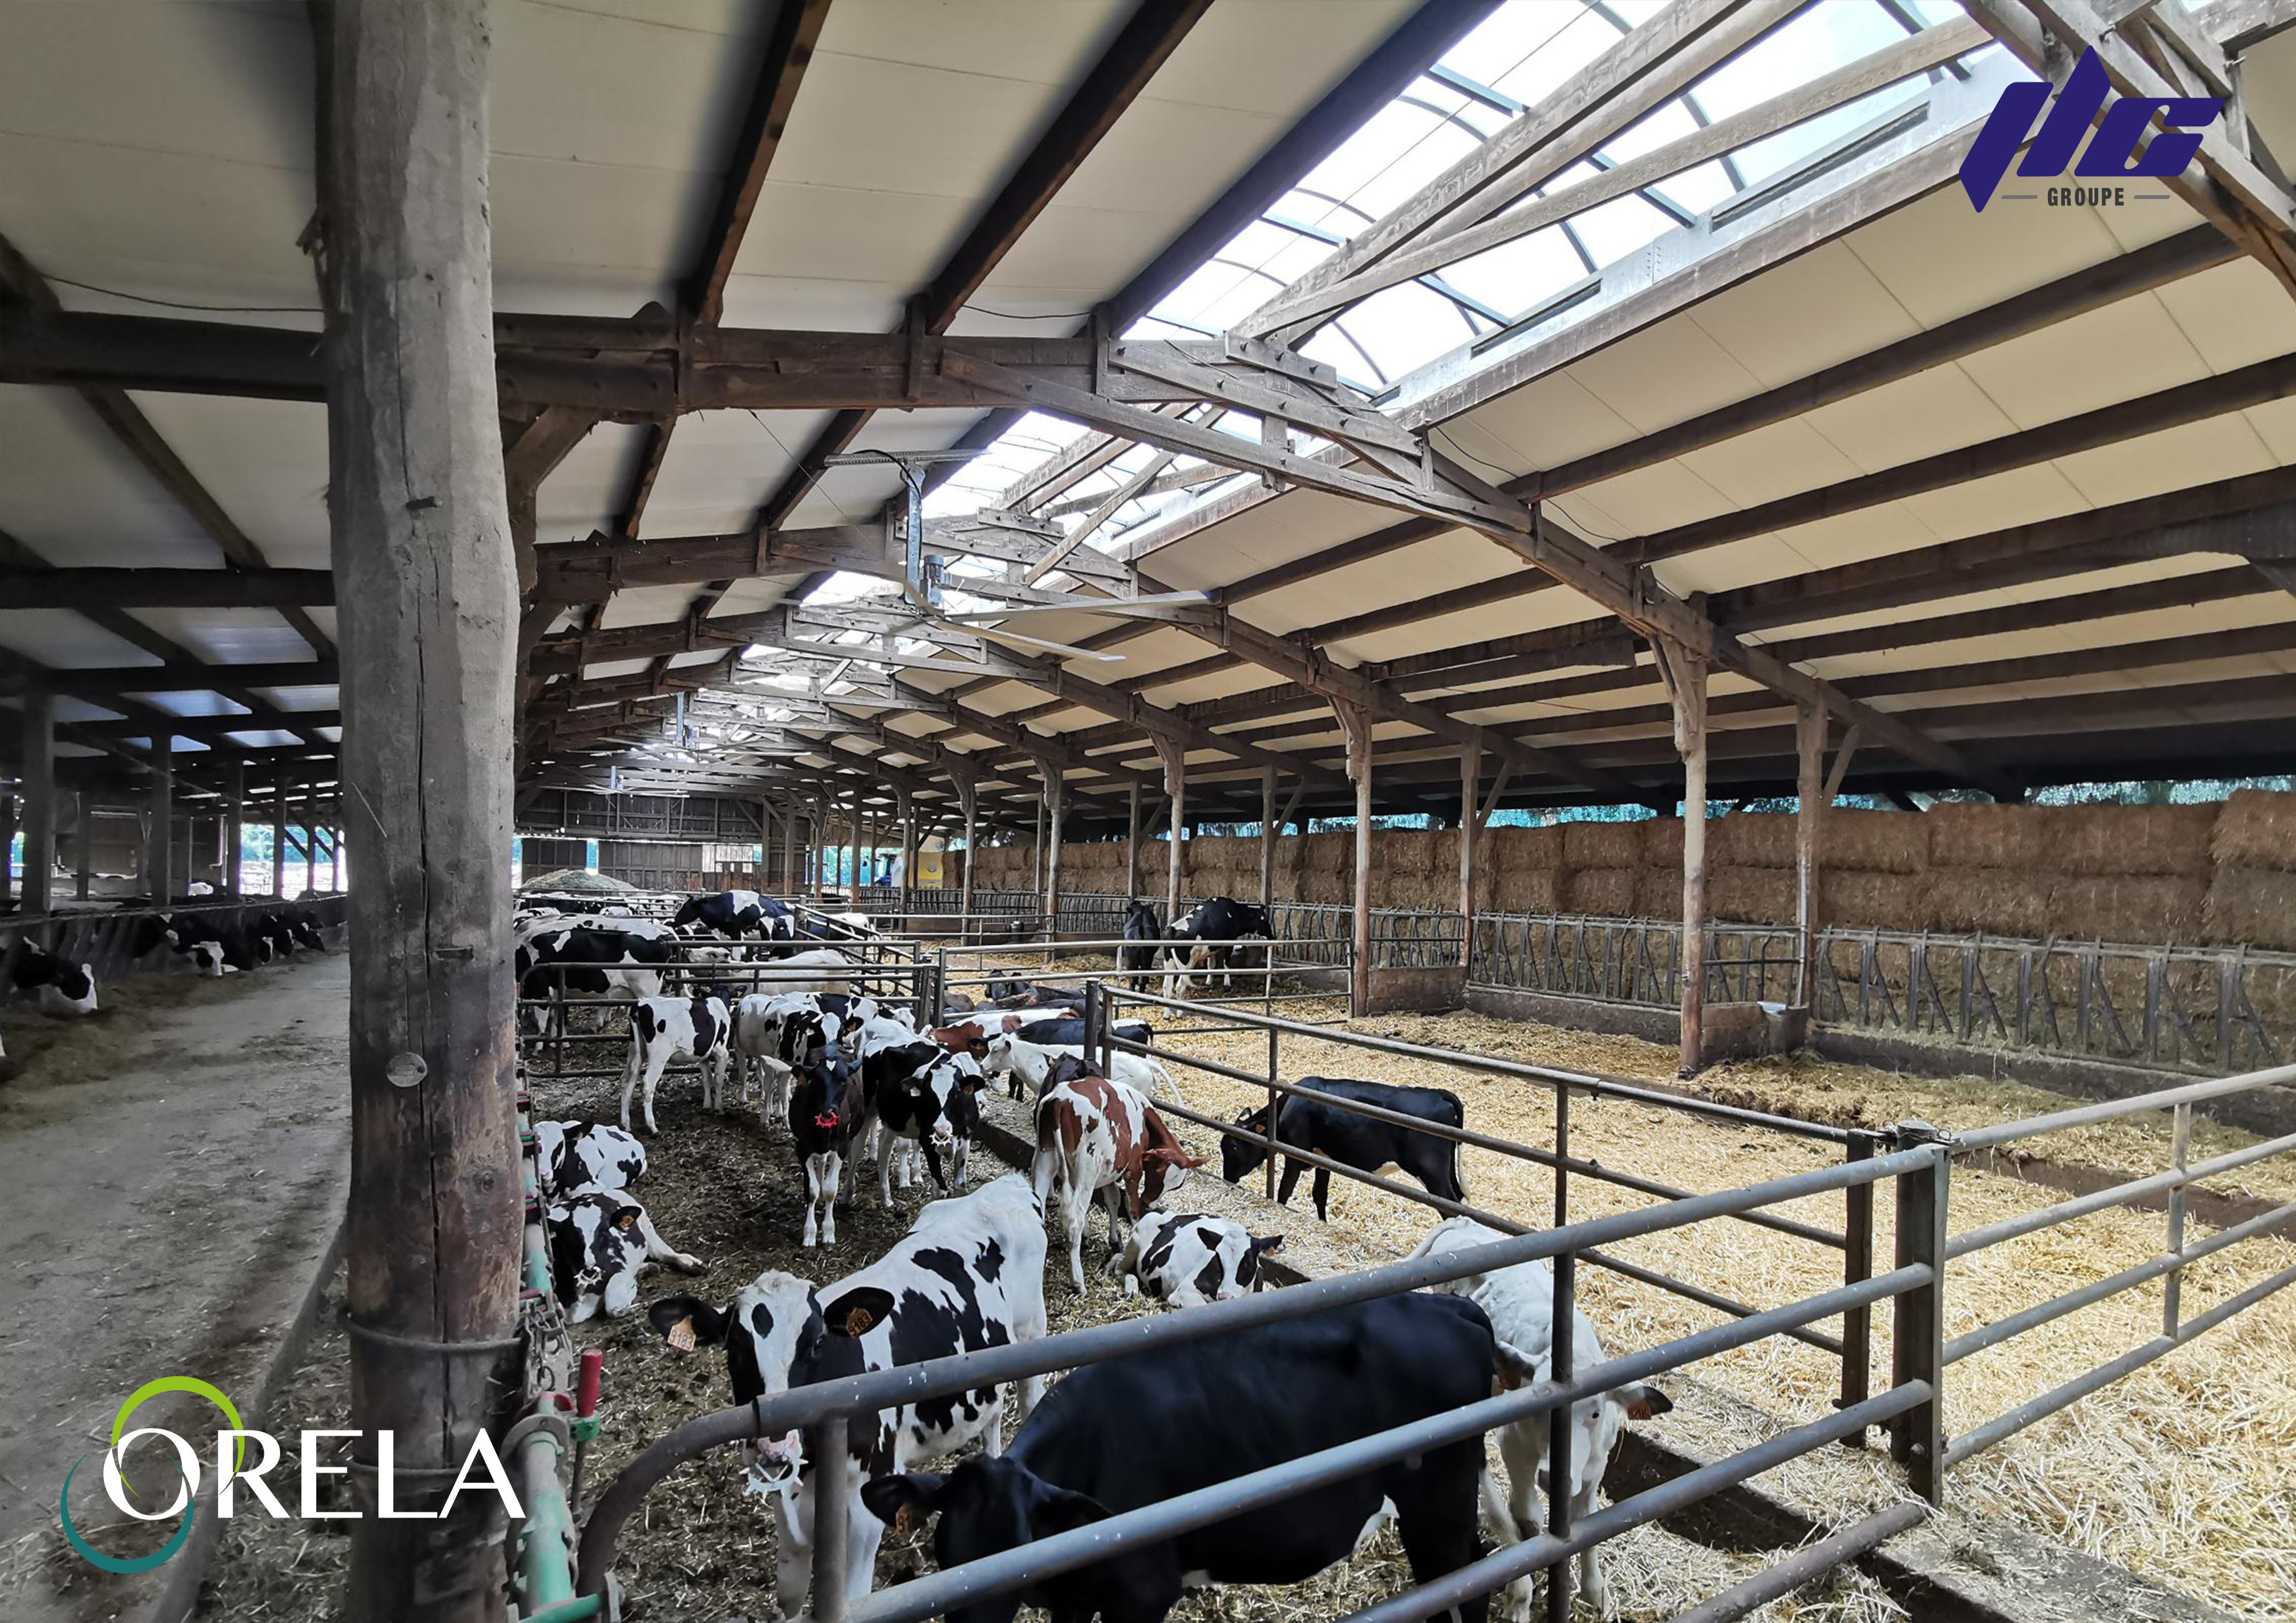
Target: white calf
{"type": "Point", "coordinates": [664, 1030]}
{"type": "Point", "coordinates": [1519, 1302]}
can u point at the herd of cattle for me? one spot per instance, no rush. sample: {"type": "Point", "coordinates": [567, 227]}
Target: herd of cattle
{"type": "Point", "coordinates": [210, 942]}
{"type": "Point", "coordinates": [852, 1076]}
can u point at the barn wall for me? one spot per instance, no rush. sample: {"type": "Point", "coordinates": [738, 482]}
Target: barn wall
{"type": "Point", "coordinates": [2217, 874]}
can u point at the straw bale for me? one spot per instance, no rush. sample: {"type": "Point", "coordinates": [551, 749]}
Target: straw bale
{"type": "Point", "coordinates": [1443, 855]}
{"type": "Point", "coordinates": [1330, 853]}
{"type": "Point", "coordinates": [2254, 906]}
{"type": "Point", "coordinates": [1999, 901]}
{"type": "Point", "coordinates": [1662, 842]}
{"type": "Point", "coordinates": [1750, 895]}
{"type": "Point", "coordinates": [1658, 893]}
{"type": "Point", "coordinates": [1964, 836]}
{"type": "Point", "coordinates": [2140, 839]}
{"type": "Point", "coordinates": [1601, 845]}
{"type": "Point", "coordinates": [1401, 851]}
{"type": "Point", "coordinates": [1524, 890]}
{"type": "Point", "coordinates": [1752, 840]}
{"type": "Point", "coordinates": [2128, 907]}
{"type": "Point", "coordinates": [1522, 848]}
{"type": "Point", "coordinates": [2256, 828]}
{"type": "Point", "coordinates": [1886, 901]}
{"type": "Point", "coordinates": [1608, 892]}
{"type": "Point", "coordinates": [1875, 842]}
{"type": "Point", "coordinates": [1429, 892]}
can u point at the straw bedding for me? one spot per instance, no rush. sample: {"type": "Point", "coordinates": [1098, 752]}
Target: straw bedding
{"type": "Point", "coordinates": [2184, 1471]}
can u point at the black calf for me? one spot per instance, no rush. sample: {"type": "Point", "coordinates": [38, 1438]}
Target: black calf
{"type": "Point", "coordinates": [1352, 1140]}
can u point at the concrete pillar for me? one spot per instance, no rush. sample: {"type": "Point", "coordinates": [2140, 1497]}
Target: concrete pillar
{"type": "Point", "coordinates": [1809, 821]}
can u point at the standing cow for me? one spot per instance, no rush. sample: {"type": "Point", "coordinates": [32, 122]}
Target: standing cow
{"type": "Point", "coordinates": [969, 1276]}
{"type": "Point", "coordinates": [665, 1030]}
{"type": "Point", "coordinates": [1353, 1140]}
{"type": "Point", "coordinates": [1103, 1140]}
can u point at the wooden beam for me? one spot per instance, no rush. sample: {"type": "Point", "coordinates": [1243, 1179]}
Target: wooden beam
{"type": "Point", "coordinates": [421, 544]}
{"type": "Point", "coordinates": [37, 768]}
{"type": "Point", "coordinates": [105, 682]}
{"type": "Point", "coordinates": [1811, 806]}
{"type": "Point", "coordinates": [1685, 670]}
{"type": "Point", "coordinates": [788, 51]}
{"type": "Point", "coordinates": [164, 588]}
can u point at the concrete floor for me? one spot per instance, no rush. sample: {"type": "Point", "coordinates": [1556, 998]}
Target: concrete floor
{"type": "Point", "coordinates": [171, 1172]}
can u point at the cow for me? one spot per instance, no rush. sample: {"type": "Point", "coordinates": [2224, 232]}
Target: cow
{"type": "Point", "coordinates": [920, 1093]}
{"type": "Point", "coordinates": [1031, 1063]}
{"type": "Point", "coordinates": [1520, 1303]}
{"type": "Point", "coordinates": [814, 971]}
{"type": "Point", "coordinates": [586, 1154]}
{"type": "Point", "coordinates": [730, 914]}
{"type": "Point", "coordinates": [964, 1037]}
{"type": "Point", "coordinates": [968, 1276]}
{"type": "Point", "coordinates": [1102, 1140]}
{"type": "Point", "coordinates": [1352, 1140]}
{"type": "Point", "coordinates": [66, 989]}
{"type": "Point", "coordinates": [826, 1113]}
{"type": "Point", "coordinates": [590, 963]}
{"type": "Point", "coordinates": [599, 1241]}
{"type": "Point", "coordinates": [1069, 1029]}
{"type": "Point", "coordinates": [1214, 927]}
{"type": "Point", "coordinates": [664, 1030]}
{"type": "Point", "coordinates": [1118, 1435]}
{"type": "Point", "coordinates": [1141, 926]}
{"type": "Point", "coordinates": [1188, 1259]}
{"type": "Point", "coordinates": [302, 927]}
{"type": "Point", "coordinates": [212, 950]}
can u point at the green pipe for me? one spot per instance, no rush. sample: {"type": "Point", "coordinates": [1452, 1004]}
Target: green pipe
{"type": "Point", "coordinates": [546, 1544]}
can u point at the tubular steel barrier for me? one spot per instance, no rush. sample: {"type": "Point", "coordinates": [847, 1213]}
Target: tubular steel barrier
{"type": "Point", "coordinates": [1855, 1241]}
{"type": "Point", "coordinates": [824, 1411]}
{"type": "Point", "coordinates": [1268, 971]}
{"type": "Point", "coordinates": [100, 937]}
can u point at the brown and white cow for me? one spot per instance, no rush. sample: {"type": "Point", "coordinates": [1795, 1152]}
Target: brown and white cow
{"type": "Point", "coordinates": [1103, 1140]}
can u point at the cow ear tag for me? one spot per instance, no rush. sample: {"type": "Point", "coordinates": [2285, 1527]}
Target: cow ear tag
{"type": "Point", "coordinates": [627, 1221]}
{"type": "Point", "coordinates": [681, 1334]}
{"type": "Point", "coordinates": [858, 1321]}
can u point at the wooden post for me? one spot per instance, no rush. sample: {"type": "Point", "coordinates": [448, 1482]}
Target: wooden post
{"type": "Point", "coordinates": [310, 839]}
{"type": "Point", "coordinates": [1037, 852]}
{"type": "Point", "coordinates": [1471, 829]}
{"type": "Point", "coordinates": [1132, 845]}
{"type": "Point", "coordinates": [83, 866]}
{"type": "Point", "coordinates": [159, 842]}
{"type": "Point", "coordinates": [235, 827]}
{"type": "Point", "coordinates": [822, 805]}
{"type": "Point", "coordinates": [853, 882]}
{"type": "Point", "coordinates": [1057, 809]}
{"type": "Point", "coordinates": [1266, 837]}
{"type": "Point", "coordinates": [908, 803]}
{"type": "Point", "coordinates": [1355, 722]}
{"type": "Point", "coordinates": [1175, 757]}
{"type": "Point", "coordinates": [969, 797]}
{"type": "Point", "coordinates": [429, 615]}
{"type": "Point", "coordinates": [279, 832]}
{"type": "Point", "coordinates": [7, 841]}
{"type": "Point", "coordinates": [1810, 802]}
{"type": "Point", "coordinates": [1684, 675]}
{"type": "Point", "coordinates": [39, 774]}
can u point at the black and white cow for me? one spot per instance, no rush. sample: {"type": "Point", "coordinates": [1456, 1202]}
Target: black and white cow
{"type": "Point", "coordinates": [1214, 927]}
{"type": "Point", "coordinates": [969, 1276]}
{"type": "Point", "coordinates": [735, 914]}
{"type": "Point", "coordinates": [1353, 1140]}
{"type": "Point", "coordinates": [1062, 1030]}
{"type": "Point", "coordinates": [666, 1030]}
{"type": "Point", "coordinates": [827, 1114]}
{"type": "Point", "coordinates": [601, 1240]}
{"type": "Point", "coordinates": [1090, 1451]}
{"type": "Point", "coordinates": [211, 948]}
{"type": "Point", "coordinates": [302, 925]}
{"type": "Point", "coordinates": [921, 1094]}
{"type": "Point", "coordinates": [587, 1154]}
{"type": "Point", "coordinates": [1189, 1259]}
{"type": "Point", "coordinates": [66, 989]}
{"type": "Point", "coordinates": [590, 963]}
{"type": "Point", "coordinates": [1141, 926]}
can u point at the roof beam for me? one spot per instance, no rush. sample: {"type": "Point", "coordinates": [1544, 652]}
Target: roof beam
{"type": "Point", "coordinates": [103, 683]}
{"type": "Point", "coordinates": [165, 589]}
{"type": "Point", "coordinates": [788, 51]}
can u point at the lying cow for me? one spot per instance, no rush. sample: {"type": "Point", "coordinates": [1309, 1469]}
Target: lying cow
{"type": "Point", "coordinates": [1102, 1140]}
{"type": "Point", "coordinates": [599, 1241]}
{"type": "Point", "coordinates": [210, 949]}
{"type": "Point", "coordinates": [1520, 1303]}
{"type": "Point", "coordinates": [1352, 1140]}
{"type": "Point", "coordinates": [969, 1276]}
{"type": "Point", "coordinates": [1188, 1259]}
{"type": "Point", "coordinates": [585, 1155]}
{"type": "Point", "coordinates": [1116, 1436]}
{"type": "Point", "coordinates": [66, 989]}
{"type": "Point", "coordinates": [1069, 1029]}
{"type": "Point", "coordinates": [667, 1030]}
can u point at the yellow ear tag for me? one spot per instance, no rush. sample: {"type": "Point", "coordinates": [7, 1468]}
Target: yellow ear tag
{"type": "Point", "coordinates": [681, 1335]}
{"type": "Point", "coordinates": [902, 1522]}
{"type": "Point", "coordinates": [858, 1320]}
{"type": "Point", "coordinates": [627, 1221]}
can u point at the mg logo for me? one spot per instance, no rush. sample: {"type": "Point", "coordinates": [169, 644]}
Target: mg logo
{"type": "Point", "coordinates": [2111, 155]}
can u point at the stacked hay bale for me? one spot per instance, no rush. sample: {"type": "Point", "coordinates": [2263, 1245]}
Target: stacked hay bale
{"type": "Point", "coordinates": [1402, 859]}
{"type": "Point", "coordinates": [1604, 861]}
{"type": "Point", "coordinates": [1750, 877]}
{"type": "Point", "coordinates": [2251, 896]}
{"type": "Point", "coordinates": [1520, 870]}
{"type": "Point", "coordinates": [1873, 869]}
{"type": "Point", "coordinates": [1327, 867]}
{"type": "Point", "coordinates": [2134, 873]}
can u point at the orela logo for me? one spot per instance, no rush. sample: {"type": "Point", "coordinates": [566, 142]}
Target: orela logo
{"type": "Point", "coordinates": [2113, 155]}
{"type": "Point", "coordinates": [482, 1473]}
